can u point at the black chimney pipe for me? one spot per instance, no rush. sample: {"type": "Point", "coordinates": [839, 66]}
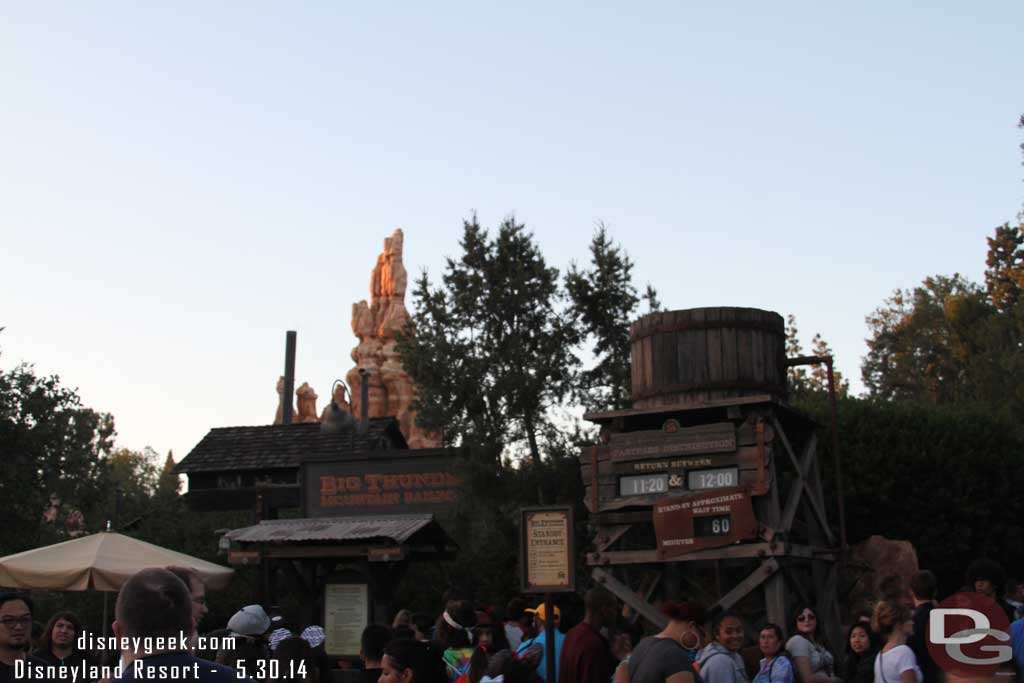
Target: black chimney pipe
{"type": "Point", "coordinates": [364, 400]}
{"type": "Point", "coordinates": [289, 377]}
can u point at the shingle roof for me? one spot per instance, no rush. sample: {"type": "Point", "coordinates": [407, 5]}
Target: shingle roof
{"type": "Point", "coordinates": [268, 447]}
{"type": "Point", "coordinates": [398, 528]}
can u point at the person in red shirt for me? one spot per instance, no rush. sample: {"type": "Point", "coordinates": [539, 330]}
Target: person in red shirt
{"type": "Point", "coordinates": [586, 655]}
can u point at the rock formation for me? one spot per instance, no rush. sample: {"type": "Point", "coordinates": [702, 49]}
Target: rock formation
{"type": "Point", "coordinates": [376, 325]}
{"type": "Point", "coordinates": [307, 404]}
{"type": "Point", "coordinates": [879, 568]}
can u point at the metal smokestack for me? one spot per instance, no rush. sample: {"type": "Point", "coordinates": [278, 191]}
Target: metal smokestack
{"type": "Point", "coordinates": [289, 377]}
{"type": "Point", "coordinates": [364, 400]}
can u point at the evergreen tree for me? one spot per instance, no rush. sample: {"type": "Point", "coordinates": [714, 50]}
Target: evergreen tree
{"type": "Point", "coordinates": [1004, 277]}
{"type": "Point", "coordinates": [651, 297]}
{"type": "Point", "coordinates": [819, 373]}
{"type": "Point", "coordinates": [490, 349]}
{"type": "Point", "coordinates": [605, 301]}
{"type": "Point", "coordinates": [797, 375]}
{"type": "Point", "coordinates": [169, 482]}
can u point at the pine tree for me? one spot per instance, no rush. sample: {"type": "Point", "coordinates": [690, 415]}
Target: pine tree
{"type": "Point", "coordinates": [490, 349]}
{"type": "Point", "coordinates": [797, 375]}
{"type": "Point", "coordinates": [1004, 277]}
{"type": "Point", "coordinates": [604, 301]}
{"type": "Point", "coordinates": [169, 483]}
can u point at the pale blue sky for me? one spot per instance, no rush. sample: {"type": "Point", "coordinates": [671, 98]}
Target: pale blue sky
{"type": "Point", "coordinates": [181, 183]}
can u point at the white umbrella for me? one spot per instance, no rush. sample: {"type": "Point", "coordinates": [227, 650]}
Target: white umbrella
{"type": "Point", "coordinates": [101, 561]}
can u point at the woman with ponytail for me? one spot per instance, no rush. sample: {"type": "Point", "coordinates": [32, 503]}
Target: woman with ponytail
{"type": "Point", "coordinates": [668, 656]}
{"type": "Point", "coordinates": [895, 662]}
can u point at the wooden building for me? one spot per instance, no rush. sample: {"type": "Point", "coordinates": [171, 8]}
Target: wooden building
{"type": "Point", "coordinates": [709, 485]}
{"type": "Point", "coordinates": [337, 516]}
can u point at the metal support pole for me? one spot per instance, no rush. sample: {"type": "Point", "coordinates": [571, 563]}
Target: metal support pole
{"type": "Point", "coordinates": [549, 638]}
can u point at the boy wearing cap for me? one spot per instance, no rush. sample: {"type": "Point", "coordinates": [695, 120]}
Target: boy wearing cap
{"type": "Point", "coordinates": [252, 623]}
{"type": "Point", "coordinates": [529, 647]}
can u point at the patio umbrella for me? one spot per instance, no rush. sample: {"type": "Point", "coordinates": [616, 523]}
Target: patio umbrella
{"type": "Point", "coordinates": [101, 561]}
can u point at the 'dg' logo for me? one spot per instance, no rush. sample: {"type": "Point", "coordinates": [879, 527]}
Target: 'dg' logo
{"type": "Point", "coordinates": [964, 633]}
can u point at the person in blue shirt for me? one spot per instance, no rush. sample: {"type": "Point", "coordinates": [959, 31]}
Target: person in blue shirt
{"type": "Point", "coordinates": [775, 667]}
{"type": "Point", "coordinates": [1017, 643]}
{"type": "Point", "coordinates": [528, 649]}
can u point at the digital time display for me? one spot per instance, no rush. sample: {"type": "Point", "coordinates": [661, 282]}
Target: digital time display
{"type": "Point", "coordinates": [642, 485]}
{"type": "Point", "coordinates": [719, 478]}
{"type": "Point", "coordinates": [719, 525]}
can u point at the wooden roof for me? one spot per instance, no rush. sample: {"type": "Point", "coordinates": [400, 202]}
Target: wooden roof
{"type": "Point", "coordinates": [270, 447]}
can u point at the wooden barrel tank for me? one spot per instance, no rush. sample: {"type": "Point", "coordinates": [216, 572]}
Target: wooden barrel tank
{"type": "Point", "coordinates": [699, 354]}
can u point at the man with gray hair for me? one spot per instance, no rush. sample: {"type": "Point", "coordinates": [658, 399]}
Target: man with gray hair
{"type": "Point", "coordinates": [154, 614]}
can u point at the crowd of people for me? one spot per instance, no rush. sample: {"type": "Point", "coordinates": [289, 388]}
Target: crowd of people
{"type": "Point", "coordinates": [468, 643]}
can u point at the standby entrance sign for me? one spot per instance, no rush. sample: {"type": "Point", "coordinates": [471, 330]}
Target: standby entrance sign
{"type": "Point", "coordinates": [546, 558]}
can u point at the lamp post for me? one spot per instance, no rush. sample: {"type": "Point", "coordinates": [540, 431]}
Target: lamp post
{"type": "Point", "coordinates": [337, 420]}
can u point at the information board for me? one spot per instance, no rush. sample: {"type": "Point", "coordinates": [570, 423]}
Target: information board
{"type": "Point", "coordinates": [703, 520]}
{"type": "Point", "coordinates": [346, 614]}
{"type": "Point", "coordinates": [546, 557]}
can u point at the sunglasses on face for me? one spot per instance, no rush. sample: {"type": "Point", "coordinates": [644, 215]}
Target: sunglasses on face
{"type": "Point", "coordinates": [806, 617]}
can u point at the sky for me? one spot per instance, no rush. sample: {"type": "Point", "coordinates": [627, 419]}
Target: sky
{"type": "Point", "coordinates": [183, 182]}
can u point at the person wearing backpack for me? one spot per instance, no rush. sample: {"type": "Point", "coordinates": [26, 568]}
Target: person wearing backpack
{"type": "Point", "coordinates": [720, 660]}
{"type": "Point", "coordinates": [776, 666]}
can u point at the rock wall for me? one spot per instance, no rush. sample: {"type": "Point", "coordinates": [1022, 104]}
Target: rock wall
{"type": "Point", "coordinates": [376, 325]}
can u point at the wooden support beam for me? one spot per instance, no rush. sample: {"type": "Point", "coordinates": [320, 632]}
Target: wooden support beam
{"type": "Point", "coordinates": [730, 552]}
{"type": "Point", "coordinates": [775, 599]}
{"type": "Point", "coordinates": [610, 535]}
{"type": "Point", "coordinates": [806, 476]}
{"type": "Point", "coordinates": [622, 592]}
{"type": "Point", "coordinates": [756, 578]}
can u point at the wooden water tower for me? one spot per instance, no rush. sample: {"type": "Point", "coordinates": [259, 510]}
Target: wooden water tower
{"type": "Point", "coordinates": [709, 485]}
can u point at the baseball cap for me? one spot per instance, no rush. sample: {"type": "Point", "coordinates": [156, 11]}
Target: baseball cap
{"type": "Point", "coordinates": [539, 611]}
{"type": "Point", "coordinates": [251, 620]}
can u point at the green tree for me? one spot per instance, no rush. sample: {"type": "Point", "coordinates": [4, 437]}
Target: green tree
{"type": "Point", "coordinates": [605, 301]}
{"type": "Point", "coordinates": [945, 477]}
{"type": "Point", "coordinates": [169, 482]}
{"type": "Point", "coordinates": [797, 375]}
{"type": "Point", "coordinates": [490, 350]}
{"type": "Point", "coordinates": [1004, 276]}
{"type": "Point", "coordinates": [922, 341]}
{"type": "Point", "coordinates": [818, 380]}
{"type": "Point", "coordinates": [52, 449]}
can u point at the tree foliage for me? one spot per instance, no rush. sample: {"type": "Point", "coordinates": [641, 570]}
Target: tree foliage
{"type": "Point", "coordinates": [52, 451]}
{"type": "Point", "coordinates": [491, 350]}
{"type": "Point", "coordinates": [802, 379]}
{"type": "Point", "coordinates": [604, 300]}
{"type": "Point", "coordinates": [945, 477]}
{"type": "Point", "coordinates": [951, 341]}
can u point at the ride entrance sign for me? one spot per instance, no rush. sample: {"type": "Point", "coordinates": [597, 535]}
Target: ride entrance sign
{"type": "Point", "coordinates": [703, 520]}
{"type": "Point", "coordinates": [546, 557]}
